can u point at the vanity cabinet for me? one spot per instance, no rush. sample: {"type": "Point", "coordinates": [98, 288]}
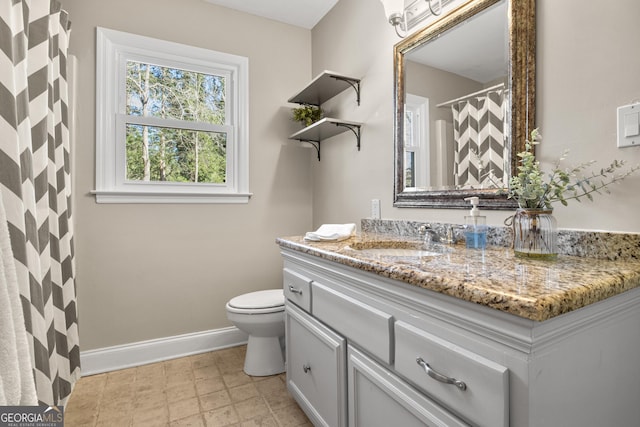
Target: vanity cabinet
{"type": "Point", "coordinates": [324, 87]}
{"type": "Point", "coordinates": [316, 368]}
{"type": "Point", "coordinates": [365, 350]}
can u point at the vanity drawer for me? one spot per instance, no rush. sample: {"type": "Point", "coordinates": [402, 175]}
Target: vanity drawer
{"type": "Point", "coordinates": [377, 397]}
{"type": "Point", "coordinates": [370, 328]}
{"type": "Point", "coordinates": [297, 289]}
{"type": "Point", "coordinates": [486, 397]}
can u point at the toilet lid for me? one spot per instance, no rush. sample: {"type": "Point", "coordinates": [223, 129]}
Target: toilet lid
{"type": "Point", "coordinates": [259, 299]}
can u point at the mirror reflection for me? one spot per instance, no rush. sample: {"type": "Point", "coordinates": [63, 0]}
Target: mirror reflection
{"type": "Point", "coordinates": [455, 111]}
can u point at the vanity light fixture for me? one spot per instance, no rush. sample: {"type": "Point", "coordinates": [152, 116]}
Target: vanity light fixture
{"type": "Point", "coordinates": [397, 16]}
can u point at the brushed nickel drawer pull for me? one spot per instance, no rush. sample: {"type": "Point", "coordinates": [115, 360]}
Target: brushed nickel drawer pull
{"type": "Point", "coordinates": [294, 290]}
{"type": "Point", "coordinates": [306, 368]}
{"type": "Point", "coordinates": [439, 377]}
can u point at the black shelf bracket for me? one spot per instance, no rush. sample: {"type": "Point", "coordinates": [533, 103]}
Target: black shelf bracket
{"type": "Point", "coordinates": [355, 84]}
{"type": "Point", "coordinates": [314, 144]}
{"type": "Point", "coordinates": [353, 128]}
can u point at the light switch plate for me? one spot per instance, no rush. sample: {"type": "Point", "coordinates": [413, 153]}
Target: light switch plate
{"type": "Point", "coordinates": [628, 119]}
{"type": "Point", "coordinates": [375, 208]}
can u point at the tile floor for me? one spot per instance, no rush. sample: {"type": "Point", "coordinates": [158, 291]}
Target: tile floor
{"type": "Point", "coordinates": [207, 390]}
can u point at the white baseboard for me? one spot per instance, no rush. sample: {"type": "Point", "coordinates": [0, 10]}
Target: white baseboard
{"type": "Point", "coordinates": [144, 352]}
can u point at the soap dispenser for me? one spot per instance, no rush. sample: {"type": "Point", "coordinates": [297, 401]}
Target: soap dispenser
{"type": "Point", "coordinates": [475, 229]}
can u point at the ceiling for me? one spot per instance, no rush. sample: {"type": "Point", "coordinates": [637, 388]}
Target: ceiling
{"type": "Point", "coordinates": [301, 13]}
{"type": "Point", "coordinates": [478, 48]}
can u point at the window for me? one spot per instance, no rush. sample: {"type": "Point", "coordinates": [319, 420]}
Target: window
{"type": "Point", "coordinates": [416, 146]}
{"type": "Point", "coordinates": [171, 122]}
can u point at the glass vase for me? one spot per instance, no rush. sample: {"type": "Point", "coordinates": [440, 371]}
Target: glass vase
{"type": "Point", "coordinates": [535, 233]}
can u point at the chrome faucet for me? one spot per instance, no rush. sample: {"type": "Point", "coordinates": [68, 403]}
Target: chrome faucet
{"type": "Point", "coordinates": [430, 235]}
{"type": "Point", "coordinates": [451, 238]}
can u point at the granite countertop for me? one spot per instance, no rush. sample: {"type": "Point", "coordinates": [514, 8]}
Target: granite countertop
{"type": "Point", "coordinates": [534, 289]}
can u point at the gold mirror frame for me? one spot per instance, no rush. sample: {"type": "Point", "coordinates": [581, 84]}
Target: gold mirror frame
{"type": "Point", "coordinates": [521, 78]}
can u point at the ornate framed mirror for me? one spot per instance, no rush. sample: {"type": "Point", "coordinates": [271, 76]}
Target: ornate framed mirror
{"type": "Point", "coordinates": [464, 104]}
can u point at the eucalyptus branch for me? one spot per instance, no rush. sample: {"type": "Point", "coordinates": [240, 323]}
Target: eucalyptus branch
{"type": "Point", "coordinates": [529, 188]}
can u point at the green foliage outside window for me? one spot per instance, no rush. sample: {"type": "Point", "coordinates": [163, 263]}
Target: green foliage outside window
{"type": "Point", "coordinates": [174, 154]}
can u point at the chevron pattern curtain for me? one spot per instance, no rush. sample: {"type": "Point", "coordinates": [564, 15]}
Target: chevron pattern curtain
{"type": "Point", "coordinates": [35, 186]}
{"type": "Point", "coordinates": [478, 127]}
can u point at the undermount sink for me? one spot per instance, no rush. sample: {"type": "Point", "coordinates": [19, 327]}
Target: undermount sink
{"type": "Point", "coordinates": [397, 248]}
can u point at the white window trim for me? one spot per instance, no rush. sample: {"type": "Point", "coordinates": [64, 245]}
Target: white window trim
{"type": "Point", "coordinates": [113, 49]}
{"type": "Point", "coordinates": [420, 107]}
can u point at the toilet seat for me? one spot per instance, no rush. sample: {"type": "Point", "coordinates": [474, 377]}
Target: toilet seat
{"type": "Point", "coordinates": [259, 302]}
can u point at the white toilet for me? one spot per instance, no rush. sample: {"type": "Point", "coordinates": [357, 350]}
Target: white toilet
{"type": "Point", "coordinates": [261, 315]}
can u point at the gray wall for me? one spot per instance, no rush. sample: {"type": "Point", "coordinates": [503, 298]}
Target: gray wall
{"type": "Point", "coordinates": [585, 72]}
{"type": "Point", "coordinates": [153, 271]}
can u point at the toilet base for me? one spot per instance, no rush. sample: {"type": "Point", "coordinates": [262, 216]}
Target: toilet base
{"type": "Point", "coordinates": [264, 357]}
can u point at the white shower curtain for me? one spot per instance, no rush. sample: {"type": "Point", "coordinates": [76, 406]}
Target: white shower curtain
{"type": "Point", "coordinates": [478, 125]}
{"type": "Point", "coordinates": [35, 188]}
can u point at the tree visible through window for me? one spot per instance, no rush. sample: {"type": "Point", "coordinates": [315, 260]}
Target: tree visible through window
{"type": "Point", "coordinates": [155, 153]}
{"type": "Point", "coordinates": [172, 122]}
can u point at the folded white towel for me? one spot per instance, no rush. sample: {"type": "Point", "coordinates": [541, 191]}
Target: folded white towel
{"type": "Point", "coordinates": [331, 232]}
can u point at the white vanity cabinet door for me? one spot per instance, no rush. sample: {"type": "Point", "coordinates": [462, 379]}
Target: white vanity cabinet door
{"type": "Point", "coordinates": [483, 395]}
{"type": "Point", "coordinates": [316, 374]}
{"type": "Point", "coordinates": [378, 398]}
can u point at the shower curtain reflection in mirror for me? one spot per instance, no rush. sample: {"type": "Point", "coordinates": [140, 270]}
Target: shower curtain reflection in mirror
{"type": "Point", "coordinates": [481, 156]}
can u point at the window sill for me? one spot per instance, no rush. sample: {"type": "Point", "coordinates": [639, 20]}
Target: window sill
{"type": "Point", "coordinates": [105, 196]}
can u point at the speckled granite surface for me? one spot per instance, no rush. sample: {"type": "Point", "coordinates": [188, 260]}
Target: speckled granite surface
{"type": "Point", "coordinates": [533, 289]}
{"type": "Point", "coordinates": [592, 244]}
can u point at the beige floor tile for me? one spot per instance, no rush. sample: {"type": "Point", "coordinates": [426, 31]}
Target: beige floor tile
{"type": "Point", "coordinates": [177, 366]}
{"type": "Point", "coordinates": [183, 408]}
{"type": "Point", "coordinates": [202, 390]}
{"type": "Point", "coordinates": [116, 405]}
{"type": "Point", "coordinates": [215, 400]}
{"type": "Point", "coordinates": [83, 403]}
{"type": "Point", "coordinates": [235, 379]}
{"type": "Point", "coordinates": [192, 421]}
{"type": "Point", "coordinates": [231, 368]}
{"type": "Point", "coordinates": [150, 423]}
{"type": "Point", "coordinates": [209, 385]}
{"type": "Point", "coordinates": [279, 400]}
{"type": "Point", "coordinates": [151, 370]}
{"type": "Point", "coordinates": [179, 377]}
{"type": "Point", "coordinates": [122, 376]}
{"type": "Point", "coordinates": [158, 415]}
{"type": "Point", "coordinates": [181, 391]}
{"type": "Point", "coordinates": [262, 421]}
{"type": "Point", "coordinates": [148, 385]}
{"type": "Point", "coordinates": [290, 416]}
{"type": "Point", "coordinates": [243, 392]}
{"type": "Point", "coordinates": [271, 385]}
{"type": "Point", "coordinates": [202, 360]}
{"type": "Point", "coordinates": [110, 419]}
{"type": "Point", "coordinates": [151, 400]}
{"type": "Point", "coordinates": [74, 418]}
{"type": "Point", "coordinates": [220, 417]}
{"type": "Point", "coordinates": [251, 408]}
{"type": "Point", "coordinates": [225, 354]}
{"type": "Point", "coordinates": [206, 372]}
{"type": "Point", "coordinates": [91, 384]}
